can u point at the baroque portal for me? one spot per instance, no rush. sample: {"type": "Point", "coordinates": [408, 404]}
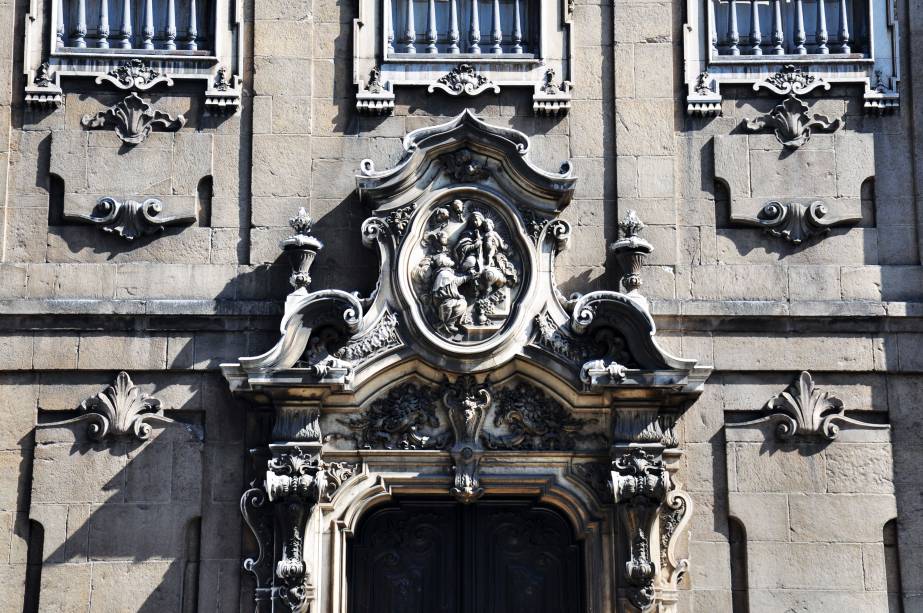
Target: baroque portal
{"type": "Point", "coordinates": [468, 378]}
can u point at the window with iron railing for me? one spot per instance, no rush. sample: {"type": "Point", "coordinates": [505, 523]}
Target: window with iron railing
{"type": "Point", "coordinates": [463, 47]}
{"type": "Point", "coordinates": [135, 45]}
{"type": "Point", "coordinates": [735, 42]}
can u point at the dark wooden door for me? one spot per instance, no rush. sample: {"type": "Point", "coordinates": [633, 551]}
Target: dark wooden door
{"type": "Point", "coordinates": [443, 557]}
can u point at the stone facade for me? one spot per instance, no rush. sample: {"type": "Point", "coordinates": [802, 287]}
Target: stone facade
{"type": "Point", "coordinates": [790, 480]}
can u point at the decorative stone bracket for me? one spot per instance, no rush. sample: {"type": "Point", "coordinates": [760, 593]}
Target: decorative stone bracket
{"type": "Point", "coordinates": [653, 510]}
{"type": "Point", "coordinates": [131, 219]}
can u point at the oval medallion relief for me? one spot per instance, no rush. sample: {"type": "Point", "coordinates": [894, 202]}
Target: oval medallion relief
{"type": "Point", "coordinates": [466, 271]}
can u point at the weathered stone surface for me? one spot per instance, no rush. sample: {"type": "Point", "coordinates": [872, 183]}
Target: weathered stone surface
{"type": "Point", "coordinates": [859, 469]}
{"type": "Point", "coordinates": [779, 471]}
{"type": "Point", "coordinates": [765, 516]}
{"type": "Point", "coordinates": [805, 566]}
{"type": "Point", "coordinates": [855, 518]}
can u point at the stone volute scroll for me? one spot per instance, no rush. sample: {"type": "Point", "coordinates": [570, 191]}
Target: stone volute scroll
{"type": "Point", "coordinates": [466, 373]}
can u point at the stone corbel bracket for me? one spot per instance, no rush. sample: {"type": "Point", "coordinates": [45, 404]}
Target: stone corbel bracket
{"type": "Point", "coordinates": [134, 74]}
{"type": "Point", "coordinates": [375, 97]}
{"type": "Point", "coordinates": [130, 219]}
{"type": "Point", "coordinates": [467, 403]}
{"type": "Point", "coordinates": [43, 89]}
{"type": "Point", "coordinates": [551, 98]}
{"type": "Point", "coordinates": [463, 80]}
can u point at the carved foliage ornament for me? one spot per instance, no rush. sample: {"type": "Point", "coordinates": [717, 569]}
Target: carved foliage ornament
{"type": "Point", "coordinates": [134, 74]}
{"type": "Point", "coordinates": [130, 219]}
{"type": "Point", "coordinates": [133, 119]}
{"type": "Point", "coordinates": [463, 79]}
{"type": "Point", "coordinates": [467, 403]}
{"type": "Point", "coordinates": [803, 410]}
{"type": "Point", "coordinates": [535, 422]}
{"type": "Point", "coordinates": [791, 123]}
{"type": "Point", "coordinates": [121, 410]}
{"type": "Point", "coordinates": [404, 419]}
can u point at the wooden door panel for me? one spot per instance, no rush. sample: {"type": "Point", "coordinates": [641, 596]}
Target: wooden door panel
{"type": "Point", "coordinates": [442, 557]}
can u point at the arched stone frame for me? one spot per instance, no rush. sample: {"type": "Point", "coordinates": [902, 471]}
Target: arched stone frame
{"type": "Point", "coordinates": [557, 488]}
{"type": "Point", "coordinates": [592, 355]}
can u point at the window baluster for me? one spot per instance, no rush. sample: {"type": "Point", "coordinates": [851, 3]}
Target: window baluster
{"type": "Point", "coordinates": [800, 36]}
{"type": "Point", "coordinates": [80, 32]}
{"type": "Point", "coordinates": [171, 24]}
{"type": "Point", "coordinates": [148, 31]}
{"type": "Point", "coordinates": [778, 36]}
{"type": "Point", "coordinates": [102, 32]}
{"type": "Point", "coordinates": [125, 32]}
{"type": "Point", "coordinates": [389, 28]}
{"type": "Point", "coordinates": [517, 28]}
{"type": "Point", "coordinates": [756, 37]}
{"type": "Point", "coordinates": [712, 28]}
{"type": "Point", "coordinates": [193, 33]}
{"type": "Point", "coordinates": [733, 34]}
{"type": "Point", "coordinates": [410, 34]}
{"type": "Point", "coordinates": [844, 28]}
{"type": "Point", "coordinates": [431, 28]}
{"type": "Point", "coordinates": [496, 31]}
{"type": "Point", "coordinates": [821, 35]}
{"type": "Point", "coordinates": [59, 35]}
{"type": "Point", "coordinates": [474, 31]}
{"type": "Point", "coordinates": [453, 27]}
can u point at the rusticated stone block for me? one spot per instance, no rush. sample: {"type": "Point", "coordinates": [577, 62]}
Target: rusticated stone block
{"type": "Point", "coordinates": [860, 468]}
{"type": "Point", "coordinates": [130, 586]}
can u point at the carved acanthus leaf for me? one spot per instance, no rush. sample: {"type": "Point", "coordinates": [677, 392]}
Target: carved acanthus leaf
{"type": "Point", "coordinates": [404, 419]}
{"type": "Point", "coordinates": [533, 421]}
{"type": "Point", "coordinates": [122, 409]}
{"type": "Point", "coordinates": [382, 337]}
{"type": "Point", "coordinates": [463, 79]}
{"type": "Point", "coordinates": [133, 119]}
{"type": "Point", "coordinates": [791, 123]}
{"type": "Point", "coordinates": [131, 219]}
{"type": "Point", "coordinates": [802, 409]}
{"type": "Point", "coordinates": [338, 473]}
{"type": "Point", "coordinates": [134, 74]}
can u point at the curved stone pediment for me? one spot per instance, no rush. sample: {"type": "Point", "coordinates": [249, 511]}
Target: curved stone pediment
{"type": "Point", "coordinates": [467, 232]}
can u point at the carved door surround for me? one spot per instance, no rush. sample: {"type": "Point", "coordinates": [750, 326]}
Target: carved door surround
{"type": "Point", "coordinates": [466, 375]}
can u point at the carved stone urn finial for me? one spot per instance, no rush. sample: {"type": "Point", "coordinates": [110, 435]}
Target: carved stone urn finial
{"type": "Point", "coordinates": [630, 250]}
{"type": "Point", "coordinates": [301, 248]}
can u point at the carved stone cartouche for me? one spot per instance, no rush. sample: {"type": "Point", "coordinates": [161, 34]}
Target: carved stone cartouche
{"type": "Point", "coordinates": [133, 119]}
{"type": "Point", "coordinates": [134, 74]}
{"type": "Point", "coordinates": [131, 219]}
{"type": "Point", "coordinates": [468, 273]}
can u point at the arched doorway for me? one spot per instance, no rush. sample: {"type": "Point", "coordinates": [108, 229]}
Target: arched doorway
{"type": "Point", "coordinates": [439, 556]}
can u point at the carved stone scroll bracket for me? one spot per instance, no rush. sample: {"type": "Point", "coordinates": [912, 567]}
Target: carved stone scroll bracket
{"type": "Point", "coordinates": [467, 403]}
{"type": "Point", "coordinates": [463, 80]}
{"type": "Point", "coordinates": [133, 119]}
{"type": "Point", "coordinates": [120, 410]}
{"type": "Point", "coordinates": [796, 222]}
{"type": "Point", "coordinates": [791, 123]}
{"type": "Point", "coordinates": [131, 219]}
{"type": "Point", "coordinates": [803, 410]}
{"type": "Point", "coordinates": [223, 97]}
{"type": "Point", "coordinates": [791, 81]}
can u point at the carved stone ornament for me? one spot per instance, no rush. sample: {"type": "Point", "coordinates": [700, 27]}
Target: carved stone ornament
{"type": "Point", "coordinates": [134, 74]}
{"type": "Point", "coordinates": [463, 80]}
{"type": "Point", "coordinates": [374, 96]}
{"type": "Point", "coordinates": [550, 97]}
{"type": "Point", "coordinates": [131, 219]}
{"type": "Point", "coordinates": [533, 421]}
{"type": "Point", "coordinates": [467, 403]}
{"type": "Point", "coordinates": [404, 419]}
{"type": "Point", "coordinates": [631, 251]}
{"type": "Point", "coordinates": [803, 410]}
{"type": "Point", "coordinates": [465, 358]}
{"type": "Point", "coordinates": [133, 119]}
{"type": "Point", "coordinates": [121, 410]}
{"type": "Point", "coordinates": [301, 249]}
{"type": "Point", "coordinates": [44, 90]}
{"type": "Point", "coordinates": [795, 222]}
{"type": "Point", "coordinates": [791, 123]}
{"type": "Point", "coordinates": [791, 81]}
